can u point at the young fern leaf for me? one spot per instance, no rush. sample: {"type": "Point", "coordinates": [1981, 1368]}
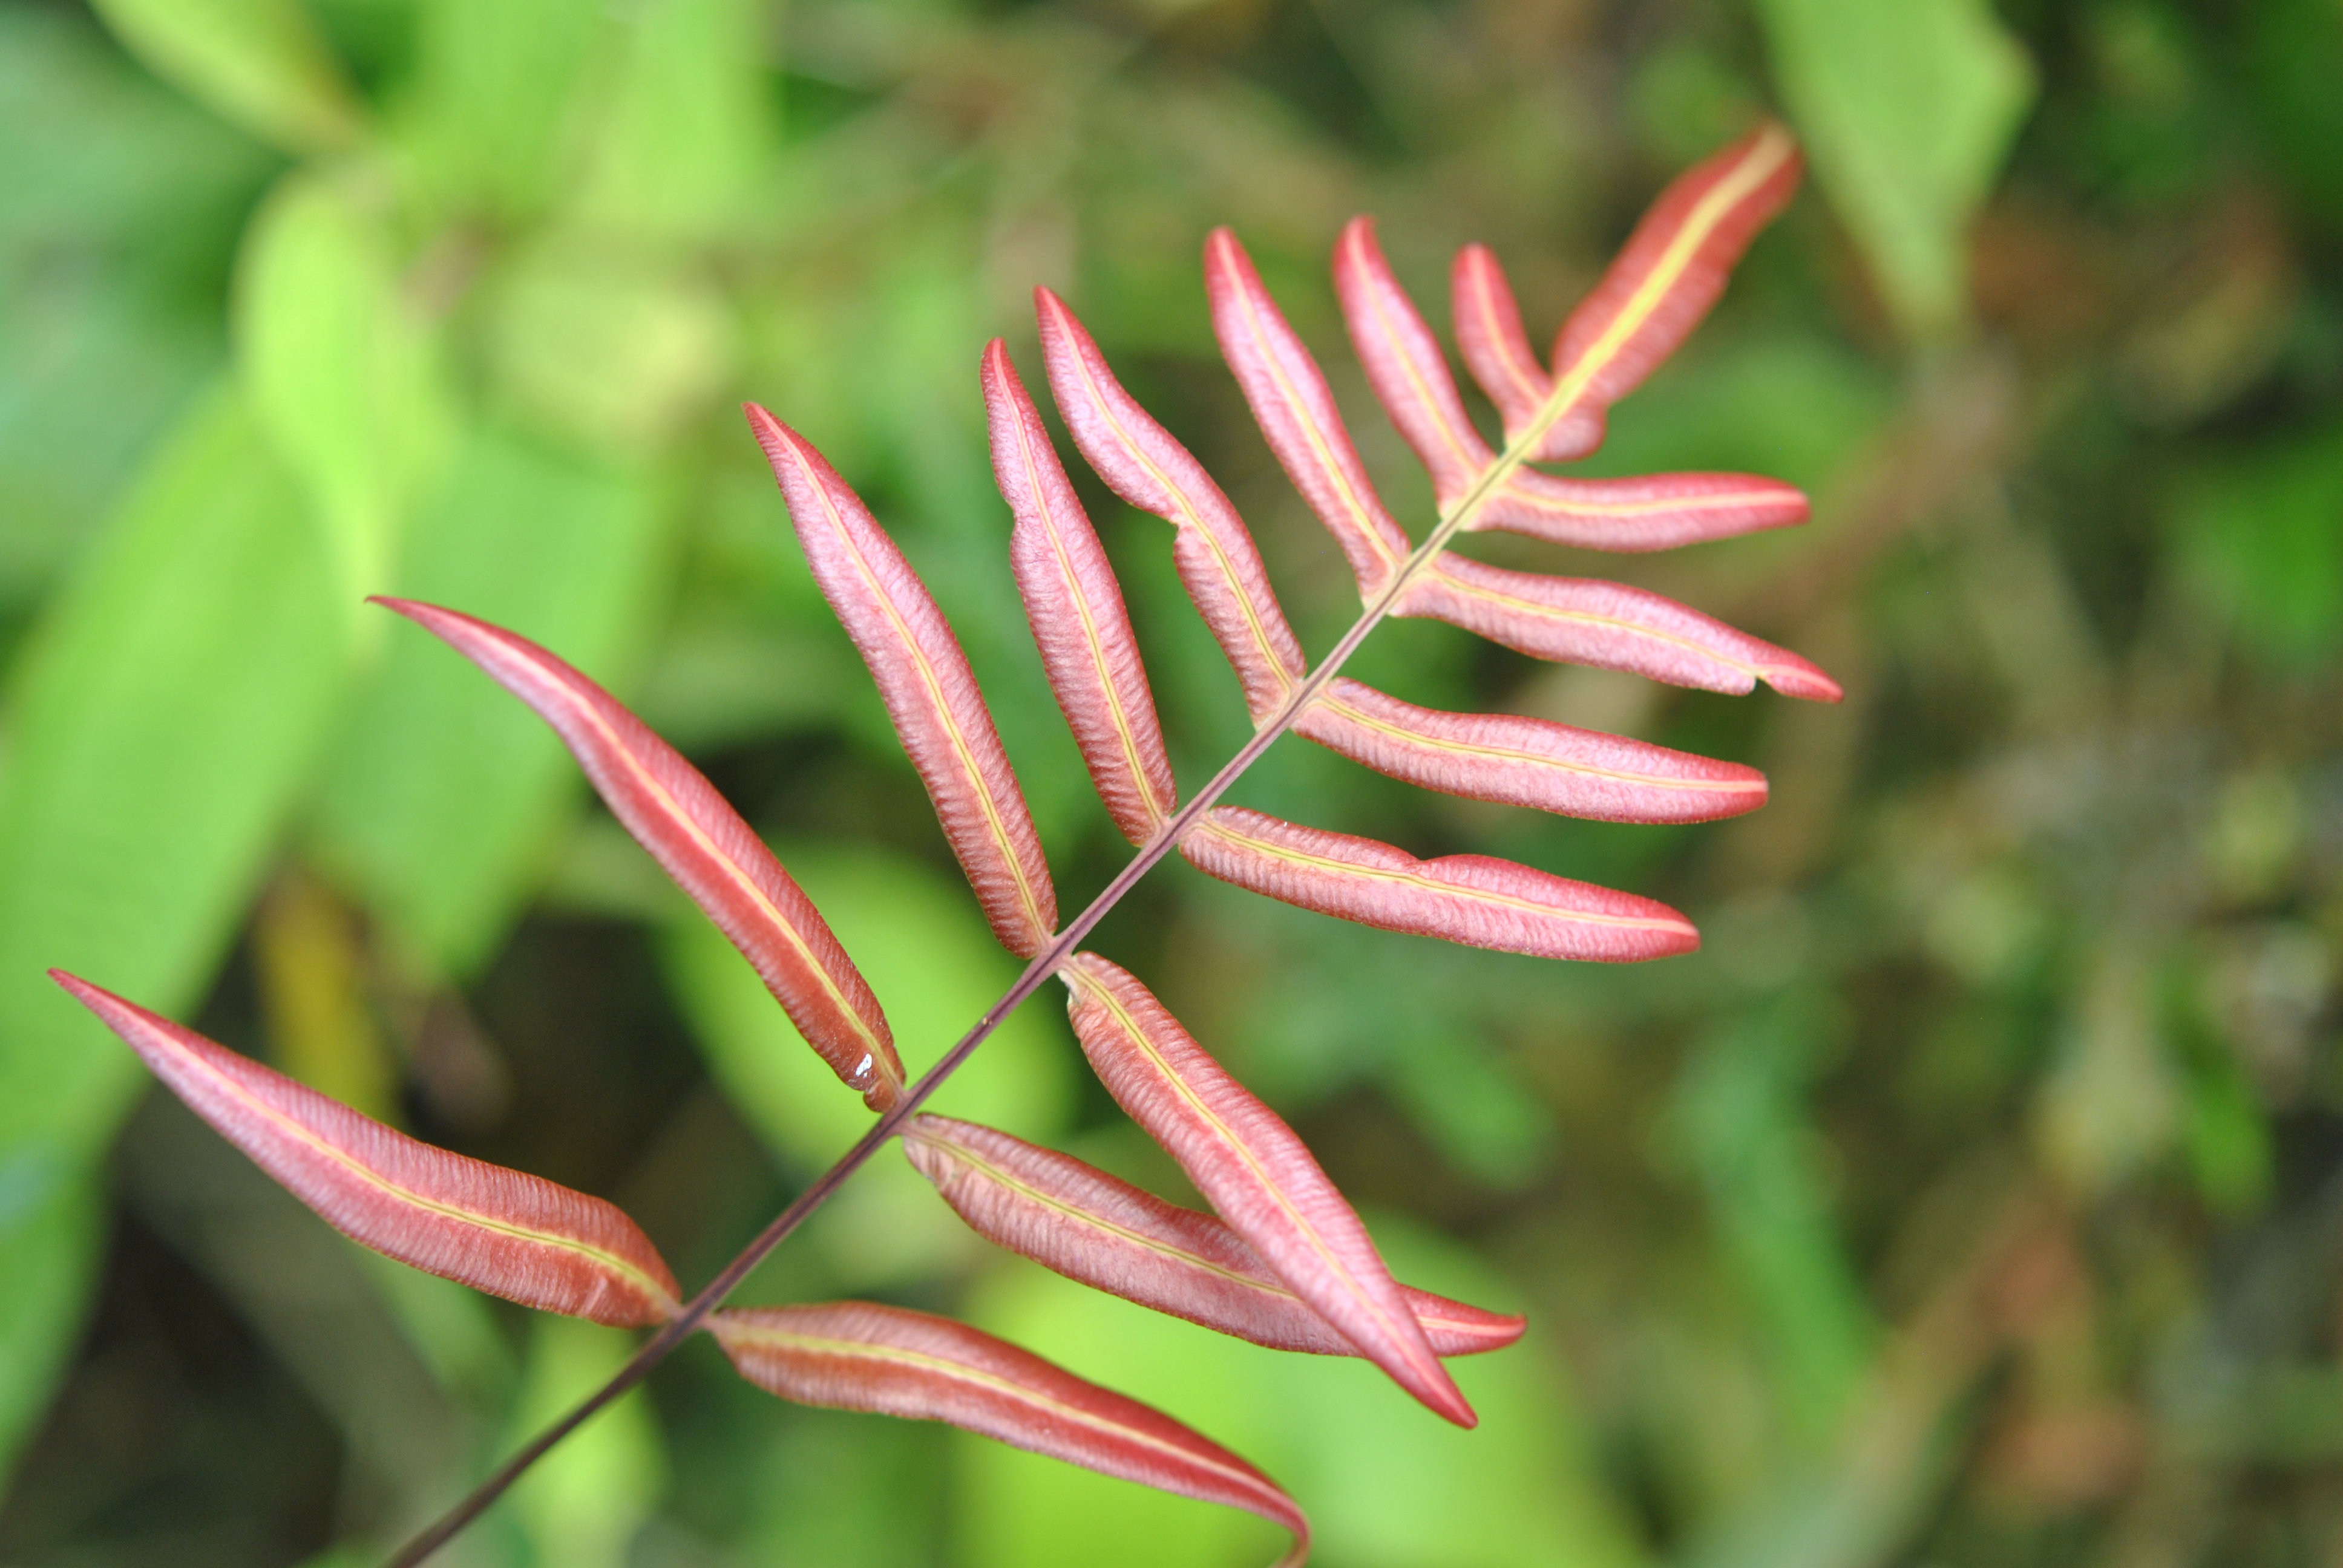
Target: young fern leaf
{"type": "Point", "coordinates": [1607, 625]}
{"type": "Point", "coordinates": [1649, 512]}
{"type": "Point", "coordinates": [1531, 762]}
{"type": "Point", "coordinates": [854, 1355]}
{"type": "Point", "coordinates": [1248, 1164]}
{"type": "Point", "coordinates": [1472, 900]}
{"type": "Point", "coordinates": [1075, 606]}
{"type": "Point", "coordinates": [701, 841]}
{"type": "Point", "coordinates": [1142, 462]}
{"type": "Point", "coordinates": [503, 1231]}
{"type": "Point", "coordinates": [1410, 377]}
{"type": "Point", "coordinates": [930, 691]}
{"type": "Point", "coordinates": [1663, 281]}
{"type": "Point", "coordinates": [1290, 401]}
{"type": "Point", "coordinates": [1108, 1235]}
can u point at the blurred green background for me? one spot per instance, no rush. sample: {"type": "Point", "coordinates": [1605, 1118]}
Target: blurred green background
{"type": "Point", "coordinates": [1976, 1197]}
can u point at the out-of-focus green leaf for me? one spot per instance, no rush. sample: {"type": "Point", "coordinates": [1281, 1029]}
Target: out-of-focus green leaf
{"type": "Point", "coordinates": [444, 793]}
{"type": "Point", "coordinates": [1907, 110]}
{"type": "Point", "coordinates": [120, 199]}
{"type": "Point", "coordinates": [681, 128]}
{"type": "Point", "coordinates": [1383, 1487]}
{"type": "Point", "coordinates": [1741, 1114]}
{"type": "Point", "coordinates": [611, 353]}
{"type": "Point", "coordinates": [260, 63]}
{"type": "Point", "coordinates": [2260, 534]}
{"type": "Point", "coordinates": [161, 721]}
{"type": "Point", "coordinates": [495, 112]}
{"type": "Point", "coordinates": [337, 365]}
{"type": "Point", "coordinates": [583, 1503]}
{"type": "Point", "coordinates": [51, 1228]}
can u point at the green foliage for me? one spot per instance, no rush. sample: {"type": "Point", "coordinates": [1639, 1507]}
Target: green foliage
{"type": "Point", "coordinates": [1907, 111]}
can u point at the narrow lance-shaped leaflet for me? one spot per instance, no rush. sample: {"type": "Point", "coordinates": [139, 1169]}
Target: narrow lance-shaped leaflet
{"type": "Point", "coordinates": [701, 842]}
{"type": "Point", "coordinates": [1108, 1235]}
{"type": "Point", "coordinates": [500, 1230]}
{"type": "Point", "coordinates": [929, 690]}
{"type": "Point", "coordinates": [1534, 762]}
{"type": "Point", "coordinates": [855, 1355]}
{"type": "Point", "coordinates": [1076, 610]}
{"type": "Point", "coordinates": [1410, 377]}
{"type": "Point", "coordinates": [1142, 463]}
{"type": "Point", "coordinates": [1585, 620]}
{"type": "Point", "coordinates": [1475, 899]}
{"type": "Point", "coordinates": [1254, 1171]}
{"type": "Point", "coordinates": [1289, 400]}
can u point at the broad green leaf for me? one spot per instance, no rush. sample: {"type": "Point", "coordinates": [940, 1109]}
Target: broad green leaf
{"type": "Point", "coordinates": [120, 201]}
{"type": "Point", "coordinates": [1906, 111]}
{"type": "Point", "coordinates": [260, 63]}
{"type": "Point", "coordinates": [581, 1506]}
{"type": "Point", "coordinates": [444, 793]}
{"type": "Point", "coordinates": [495, 110]}
{"type": "Point", "coordinates": [681, 126]}
{"type": "Point", "coordinates": [52, 1233]}
{"type": "Point", "coordinates": [337, 363]}
{"type": "Point", "coordinates": [168, 708]}
{"type": "Point", "coordinates": [1385, 1487]}
{"type": "Point", "coordinates": [162, 719]}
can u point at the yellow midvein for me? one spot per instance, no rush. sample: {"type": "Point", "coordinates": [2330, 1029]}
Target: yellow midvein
{"type": "Point", "coordinates": [854, 1349]}
{"type": "Point", "coordinates": [968, 1156]}
{"type": "Point", "coordinates": [1509, 754]}
{"type": "Point", "coordinates": [1527, 378]}
{"type": "Point", "coordinates": [1360, 519]}
{"type": "Point", "coordinates": [1237, 1147]}
{"type": "Point", "coordinates": [1140, 782]}
{"type": "Point", "coordinates": [1138, 454]}
{"type": "Point", "coordinates": [1424, 398]}
{"type": "Point", "coordinates": [1549, 612]}
{"type": "Point", "coordinates": [739, 878]}
{"type": "Point", "coordinates": [1417, 878]}
{"type": "Point", "coordinates": [1717, 502]}
{"type": "Point", "coordinates": [935, 700]}
{"type": "Point", "coordinates": [372, 1178]}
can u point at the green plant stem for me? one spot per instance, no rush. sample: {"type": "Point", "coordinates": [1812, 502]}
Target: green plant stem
{"type": "Point", "coordinates": [1045, 963]}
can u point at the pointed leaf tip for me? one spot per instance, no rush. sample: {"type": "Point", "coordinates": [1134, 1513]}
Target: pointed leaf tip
{"type": "Point", "coordinates": [499, 1230]}
{"type": "Point", "coordinates": [1075, 608]}
{"type": "Point", "coordinates": [925, 680]}
{"type": "Point", "coordinates": [1255, 1172]}
{"type": "Point", "coordinates": [701, 841]}
{"type": "Point", "coordinates": [1295, 410]}
{"type": "Point", "coordinates": [855, 1355]}
{"type": "Point", "coordinates": [1108, 1235]}
{"type": "Point", "coordinates": [1607, 625]}
{"type": "Point", "coordinates": [1142, 462]}
{"type": "Point", "coordinates": [1404, 364]}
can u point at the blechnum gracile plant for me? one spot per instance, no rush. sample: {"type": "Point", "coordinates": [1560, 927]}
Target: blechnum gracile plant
{"type": "Point", "coordinates": [1285, 1263]}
